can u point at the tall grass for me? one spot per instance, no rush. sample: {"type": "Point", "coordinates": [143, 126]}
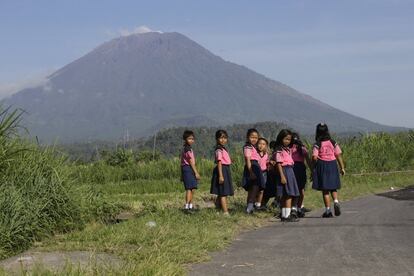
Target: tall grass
{"type": "Point", "coordinates": [370, 153]}
{"type": "Point", "coordinates": [101, 172]}
{"type": "Point", "coordinates": [37, 195]}
{"type": "Point", "coordinates": [379, 152]}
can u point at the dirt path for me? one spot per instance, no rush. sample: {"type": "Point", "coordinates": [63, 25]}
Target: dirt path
{"type": "Point", "coordinates": [373, 236]}
{"type": "Point", "coordinates": [56, 260]}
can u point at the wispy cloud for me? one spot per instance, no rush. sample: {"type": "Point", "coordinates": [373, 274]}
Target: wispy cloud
{"type": "Point", "coordinates": [9, 88]}
{"type": "Point", "coordinates": [136, 30]}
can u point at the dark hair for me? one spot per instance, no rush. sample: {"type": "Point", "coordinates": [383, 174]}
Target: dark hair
{"type": "Point", "coordinates": [220, 133]}
{"type": "Point", "coordinates": [263, 139]}
{"type": "Point", "coordinates": [282, 134]}
{"type": "Point", "coordinates": [187, 133]}
{"type": "Point", "coordinates": [322, 133]}
{"type": "Point", "coordinates": [272, 145]}
{"type": "Point", "coordinates": [296, 141]}
{"type": "Point", "coordinates": [250, 131]}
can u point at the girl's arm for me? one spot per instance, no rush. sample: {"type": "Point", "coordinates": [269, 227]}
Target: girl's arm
{"type": "Point", "coordinates": [341, 163]}
{"type": "Point", "coordinates": [220, 172]}
{"type": "Point", "coordinates": [282, 175]}
{"type": "Point", "coordinates": [193, 166]}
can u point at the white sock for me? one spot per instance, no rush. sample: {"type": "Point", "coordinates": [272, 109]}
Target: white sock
{"type": "Point", "coordinates": [186, 206]}
{"type": "Point", "coordinates": [328, 209]}
{"type": "Point", "coordinates": [303, 206]}
{"type": "Point", "coordinates": [190, 206]}
{"type": "Point", "coordinates": [336, 201]}
{"type": "Point", "coordinates": [250, 207]}
{"type": "Point", "coordinates": [258, 204]}
{"type": "Point", "coordinates": [288, 210]}
{"type": "Point", "coordinates": [283, 212]}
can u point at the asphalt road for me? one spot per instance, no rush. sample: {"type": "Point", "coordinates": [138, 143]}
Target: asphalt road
{"type": "Point", "coordinates": [373, 236]}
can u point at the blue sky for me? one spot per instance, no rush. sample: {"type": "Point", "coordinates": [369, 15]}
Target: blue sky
{"type": "Point", "coordinates": [355, 55]}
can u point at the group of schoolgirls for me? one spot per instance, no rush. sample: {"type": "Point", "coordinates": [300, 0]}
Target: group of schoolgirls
{"type": "Point", "coordinates": [282, 175]}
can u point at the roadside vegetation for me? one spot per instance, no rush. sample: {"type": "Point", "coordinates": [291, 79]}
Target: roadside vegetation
{"type": "Point", "coordinates": [60, 204]}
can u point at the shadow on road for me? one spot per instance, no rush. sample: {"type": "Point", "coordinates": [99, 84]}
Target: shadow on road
{"type": "Point", "coordinates": [403, 194]}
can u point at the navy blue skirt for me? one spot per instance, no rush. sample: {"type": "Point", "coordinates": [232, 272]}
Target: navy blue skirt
{"type": "Point", "coordinates": [270, 190]}
{"type": "Point", "coordinates": [300, 173]}
{"type": "Point", "coordinates": [326, 176]}
{"type": "Point", "coordinates": [225, 189]}
{"type": "Point", "coordinates": [291, 187]}
{"type": "Point", "coordinates": [189, 179]}
{"type": "Point", "coordinates": [259, 181]}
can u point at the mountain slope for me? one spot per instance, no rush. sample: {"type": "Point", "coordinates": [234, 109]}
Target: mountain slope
{"type": "Point", "coordinates": [146, 81]}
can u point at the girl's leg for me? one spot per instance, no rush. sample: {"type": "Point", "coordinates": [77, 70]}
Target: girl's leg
{"type": "Point", "coordinates": [191, 198]}
{"type": "Point", "coordinates": [286, 206]}
{"type": "Point", "coordinates": [188, 196]}
{"type": "Point", "coordinates": [334, 195]}
{"type": "Point", "coordinates": [217, 202]}
{"type": "Point", "coordinates": [259, 198]}
{"type": "Point", "coordinates": [326, 199]}
{"type": "Point", "coordinates": [337, 207]}
{"type": "Point", "coordinates": [283, 207]}
{"type": "Point", "coordinates": [251, 196]}
{"type": "Point", "coordinates": [223, 202]}
{"type": "Point", "coordinates": [288, 202]}
{"type": "Point", "coordinates": [301, 197]}
{"type": "Point", "coordinates": [254, 194]}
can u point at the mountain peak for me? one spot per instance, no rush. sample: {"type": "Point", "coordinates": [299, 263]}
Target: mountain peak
{"type": "Point", "coordinates": [142, 82]}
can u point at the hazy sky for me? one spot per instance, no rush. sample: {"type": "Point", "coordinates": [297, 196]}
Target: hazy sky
{"type": "Point", "coordinates": [355, 55]}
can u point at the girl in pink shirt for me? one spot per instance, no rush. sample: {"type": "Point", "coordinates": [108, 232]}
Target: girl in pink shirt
{"type": "Point", "coordinates": [189, 173]}
{"type": "Point", "coordinates": [263, 163]}
{"type": "Point", "coordinates": [252, 180]}
{"type": "Point", "coordinates": [221, 182]}
{"type": "Point", "coordinates": [326, 155]}
{"type": "Point", "coordinates": [300, 156]}
{"type": "Point", "coordinates": [287, 186]}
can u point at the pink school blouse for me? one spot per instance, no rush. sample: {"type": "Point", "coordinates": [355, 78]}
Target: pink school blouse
{"type": "Point", "coordinates": [263, 160]}
{"type": "Point", "coordinates": [251, 151]}
{"type": "Point", "coordinates": [223, 156]}
{"type": "Point", "coordinates": [327, 151]}
{"type": "Point", "coordinates": [284, 157]}
{"type": "Point", "coordinates": [296, 156]}
{"type": "Point", "coordinates": [186, 156]}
